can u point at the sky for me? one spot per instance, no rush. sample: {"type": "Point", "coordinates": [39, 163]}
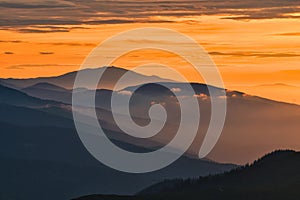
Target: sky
{"type": "Point", "coordinates": [255, 44]}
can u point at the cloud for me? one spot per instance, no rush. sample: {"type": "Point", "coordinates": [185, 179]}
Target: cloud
{"type": "Point", "coordinates": [125, 92]}
{"type": "Point", "coordinates": [8, 52]}
{"type": "Point", "coordinates": [24, 66]}
{"type": "Point", "coordinates": [47, 29]}
{"type": "Point", "coordinates": [288, 34]}
{"type": "Point", "coordinates": [68, 44]}
{"type": "Point", "coordinates": [11, 41]}
{"type": "Point", "coordinates": [276, 85]}
{"type": "Point", "coordinates": [255, 54]}
{"type": "Point", "coordinates": [17, 14]}
{"type": "Point", "coordinates": [246, 95]}
{"type": "Point", "coordinates": [34, 4]}
{"type": "Point", "coordinates": [46, 53]}
{"type": "Point", "coordinates": [201, 96]}
{"type": "Point", "coordinates": [32, 30]}
{"type": "Point", "coordinates": [291, 71]}
{"type": "Point", "coordinates": [222, 97]}
{"type": "Point", "coordinates": [175, 90]}
{"type": "Point", "coordinates": [266, 11]}
{"type": "Point", "coordinates": [14, 23]}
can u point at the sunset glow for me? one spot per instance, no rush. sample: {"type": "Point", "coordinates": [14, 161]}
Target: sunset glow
{"type": "Point", "coordinates": [248, 52]}
{"type": "Point", "coordinates": [150, 99]}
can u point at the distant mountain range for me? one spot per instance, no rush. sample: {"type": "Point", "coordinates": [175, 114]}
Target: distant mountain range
{"type": "Point", "coordinates": [251, 121]}
{"type": "Point", "coordinates": [40, 149]}
{"type": "Point", "coordinates": [109, 78]}
{"type": "Point", "coordinates": [279, 91]}
{"type": "Point", "coordinates": [274, 177]}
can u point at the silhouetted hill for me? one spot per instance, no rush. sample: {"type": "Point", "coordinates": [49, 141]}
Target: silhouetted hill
{"type": "Point", "coordinates": [274, 177]}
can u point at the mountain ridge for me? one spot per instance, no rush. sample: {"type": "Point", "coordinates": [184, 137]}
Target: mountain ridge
{"type": "Point", "coordinates": [46, 86]}
{"type": "Point", "coordinates": [262, 121]}
{"type": "Point", "coordinates": [273, 177]}
{"type": "Point", "coordinates": [110, 76]}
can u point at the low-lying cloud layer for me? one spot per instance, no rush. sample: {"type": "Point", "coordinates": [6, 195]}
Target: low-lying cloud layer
{"type": "Point", "coordinates": [16, 14]}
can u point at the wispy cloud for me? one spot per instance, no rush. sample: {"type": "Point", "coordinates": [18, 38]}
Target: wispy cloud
{"type": "Point", "coordinates": [125, 92]}
{"type": "Point", "coordinates": [35, 4]}
{"type": "Point", "coordinates": [11, 41]}
{"type": "Point", "coordinates": [32, 30]}
{"type": "Point", "coordinates": [255, 54]}
{"type": "Point", "coordinates": [175, 90]}
{"type": "Point", "coordinates": [24, 66]}
{"type": "Point", "coordinates": [18, 14]}
{"type": "Point", "coordinates": [46, 53]}
{"type": "Point", "coordinates": [288, 34]}
{"type": "Point", "coordinates": [68, 44]}
{"type": "Point", "coordinates": [47, 29]}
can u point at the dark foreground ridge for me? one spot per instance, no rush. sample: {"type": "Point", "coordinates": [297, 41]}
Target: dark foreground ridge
{"type": "Point", "coordinates": [275, 176]}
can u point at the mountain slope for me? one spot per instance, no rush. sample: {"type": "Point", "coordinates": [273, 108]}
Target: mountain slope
{"type": "Point", "coordinates": [46, 86]}
{"type": "Point", "coordinates": [273, 177]}
{"type": "Point", "coordinates": [14, 97]}
{"type": "Point", "coordinates": [49, 91]}
{"type": "Point", "coordinates": [52, 163]}
{"type": "Point", "coordinates": [28, 117]}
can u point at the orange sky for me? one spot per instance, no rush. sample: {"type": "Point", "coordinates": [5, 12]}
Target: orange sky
{"type": "Point", "coordinates": [251, 55]}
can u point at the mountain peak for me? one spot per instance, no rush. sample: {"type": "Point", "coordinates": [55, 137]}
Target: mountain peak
{"type": "Point", "coordinates": [104, 68]}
